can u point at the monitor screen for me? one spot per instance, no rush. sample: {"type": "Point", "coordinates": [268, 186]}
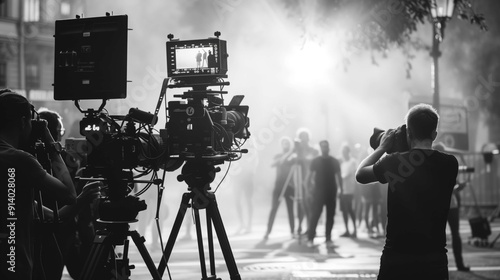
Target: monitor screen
{"type": "Point", "coordinates": [196, 58]}
{"type": "Point", "coordinates": [91, 58]}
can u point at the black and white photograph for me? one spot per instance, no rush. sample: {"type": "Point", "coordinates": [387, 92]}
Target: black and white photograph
{"type": "Point", "coordinates": [254, 140]}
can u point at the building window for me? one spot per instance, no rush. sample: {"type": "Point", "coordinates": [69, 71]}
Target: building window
{"type": "Point", "coordinates": [31, 10]}
{"type": "Point", "coordinates": [32, 75]}
{"type": "Point", "coordinates": [3, 74]}
{"type": "Point", "coordinates": [3, 8]}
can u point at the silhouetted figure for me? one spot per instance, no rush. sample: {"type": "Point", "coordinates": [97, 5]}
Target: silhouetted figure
{"type": "Point", "coordinates": [27, 177]}
{"type": "Point", "coordinates": [204, 58]}
{"type": "Point", "coordinates": [454, 220]}
{"type": "Point", "coordinates": [303, 195]}
{"type": "Point", "coordinates": [371, 196]}
{"type": "Point", "coordinates": [421, 183]}
{"type": "Point", "coordinates": [243, 185]}
{"type": "Point", "coordinates": [324, 180]}
{"type": "Point", "coordinates": [198, 59]}
{"type": "Point", "coordinates": [211, 60]}
{"type": "Point", "coordinates": [68, 243]}
{"type": "Point", "coordinates": [348, 168]}
{"type": "Point", "coordinates": [454, 223]}
{"type": "Point", "coordinates": [283, 185]}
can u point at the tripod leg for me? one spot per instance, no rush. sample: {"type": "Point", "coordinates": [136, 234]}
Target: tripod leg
{"type": "Point", "coordinates": [97, 256]}
{"type": "Point", "coordinates": [199, 237]}
{"type": "Point", "coordinates": [139, 242]}
{"type": "Point", "coordinates": [210, 244]}
{"type": "Point", "coordinates": [175, 231]}
{"type": "Point", "coordinates": [287, 182]}
{"type": "Point", "coordinates": [214, 213]}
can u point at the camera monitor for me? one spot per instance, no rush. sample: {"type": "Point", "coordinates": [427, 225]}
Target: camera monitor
{"type": "Point", "coordinates": [205, 58]}
{"type": "Point", "coordinates": [91, 58]}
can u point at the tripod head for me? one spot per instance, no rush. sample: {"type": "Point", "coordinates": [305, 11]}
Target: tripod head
{"type": "Point", "coordinates": [198, 174]}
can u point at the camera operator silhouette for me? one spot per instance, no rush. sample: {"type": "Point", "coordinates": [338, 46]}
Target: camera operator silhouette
{"type": "Point", "coordinates": [304, 155]}
{"type": "Point", "coordinates": [23, 175]}
{"type": "Point", "coordinates": [70, 243]}
{"type": "Point", "coordinates": [421, 182]}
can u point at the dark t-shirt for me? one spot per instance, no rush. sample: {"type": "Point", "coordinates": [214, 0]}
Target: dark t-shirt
{"type": "Point", "coordinates": [326, 168]}
{"type": "Point", "coordinates": [19, 173]}
{"type": "Point", "coordinates": [420, 186]}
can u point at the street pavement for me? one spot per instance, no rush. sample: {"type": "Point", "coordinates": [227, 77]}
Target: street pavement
{"type": "Point", "coordinates": [283, 257]}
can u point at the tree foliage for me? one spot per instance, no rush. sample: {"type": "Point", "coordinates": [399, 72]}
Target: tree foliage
{"type": "Point", "coordinates": [376, 25]}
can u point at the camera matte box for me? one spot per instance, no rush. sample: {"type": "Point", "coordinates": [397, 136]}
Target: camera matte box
{"type": "Point", "coordinates": [91, 58]}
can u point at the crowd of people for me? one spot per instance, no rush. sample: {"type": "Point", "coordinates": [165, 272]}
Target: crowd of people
{"type": "Point", "coordinates": [405, 195]}
{"type": "Point", "coordinates": [411, 194]}
{"type": "Point", "coordinates": [309, 181]}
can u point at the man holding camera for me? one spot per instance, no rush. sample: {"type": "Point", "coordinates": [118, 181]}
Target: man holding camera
{"type": "Point", "coordinates": [21, 175]}
{"type": "Point", "coordinates": [421, 182]}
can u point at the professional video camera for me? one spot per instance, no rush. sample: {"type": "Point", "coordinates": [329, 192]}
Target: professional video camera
{"type": "Point", "coordinates": [201, 131]}
{"type": "Point", "coordinates": [201, 126]}
{"type": "Point", "coordinates": [91, 63]}
{"type": "Point", "coordinates": [91, 59]}
{"type": "Point", "coordinates": [400, 143]}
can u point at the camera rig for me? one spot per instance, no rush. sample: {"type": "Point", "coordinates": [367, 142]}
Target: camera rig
{"type": "Point", "coordinates": [201, 126]}
{"type": "Point", "coordinates": [200, 130]}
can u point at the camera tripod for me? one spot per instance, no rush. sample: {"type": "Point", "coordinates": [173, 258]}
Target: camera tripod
{"type": "Point", "coordinates": [102, 263]}
{"type": "Point", "coordinates": [295, 175]}
{"type": "Point", "coordinates": [198, 174]}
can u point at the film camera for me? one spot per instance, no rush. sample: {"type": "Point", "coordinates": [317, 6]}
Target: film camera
{"type": "Point", "coordinates": [400, 143]}
{"type": "Point", "coordinates": [200, 130]}
{"type": "Point", "coordinates": [91, 63]}
{"type": "Point", "coordinates": [201, 125]}
{"type": "Point", "coordinates": [91, 59]}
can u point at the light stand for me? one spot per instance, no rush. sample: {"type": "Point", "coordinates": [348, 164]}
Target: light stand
{"type": "Point", "coordinates": [441, 12]}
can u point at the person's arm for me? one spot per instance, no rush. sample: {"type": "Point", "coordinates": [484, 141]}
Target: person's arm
{"type": "Point", "coordinates": [309, 180]}
{"type": "Point", "coordinates": [340, 182]}
{"type": "Point", "coordinates": [364, 173]}
{"type": "Point", "coordinates": [281, 158]}
{"type": "Point", "coordinates": [460, 186]}
{"type": "Point", "coordinates": [60, 185]}
{"type": "Point", "coordinates": [89, 192]}
{"type": "Point", "coordinates": [339, 177]}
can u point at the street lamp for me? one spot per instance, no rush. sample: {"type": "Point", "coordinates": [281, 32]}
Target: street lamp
{"type": "Point", "coordinates": [441, 12]}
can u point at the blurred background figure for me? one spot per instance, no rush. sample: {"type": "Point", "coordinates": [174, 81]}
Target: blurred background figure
{"type": "Point", "coordinates": [348, 170]}
{"type": "Point", "coordinates": [454, 223]}
{"type": "Point", "coordinates": [283, 185]}
{"type": "Point", "coordinates": [323, 180]}
{"type": "Point", "coordinates": [305, 154]}
{"type": "Point", "coordinates": [371, 196]}
{"type": "Point", "coordinates": [242, 184]}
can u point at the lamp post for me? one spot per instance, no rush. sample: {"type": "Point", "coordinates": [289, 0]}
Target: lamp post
{"type": "Point", "coordinates": [441, 12]}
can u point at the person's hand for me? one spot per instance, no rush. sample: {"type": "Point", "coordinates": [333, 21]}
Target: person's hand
{"type": "Point", "coordinates": [387, 139]}
{"type": "Point", "coordinates": [46, 136]}
{"type": "Point", "coordinates": [90, 192]}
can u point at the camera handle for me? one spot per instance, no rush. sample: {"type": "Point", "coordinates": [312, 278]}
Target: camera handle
{"type": "Point", "coordinates": [77, 105]}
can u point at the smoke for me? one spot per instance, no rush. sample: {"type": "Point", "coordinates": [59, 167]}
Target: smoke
{"type": "Point", "coordinates": [291, 72]}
